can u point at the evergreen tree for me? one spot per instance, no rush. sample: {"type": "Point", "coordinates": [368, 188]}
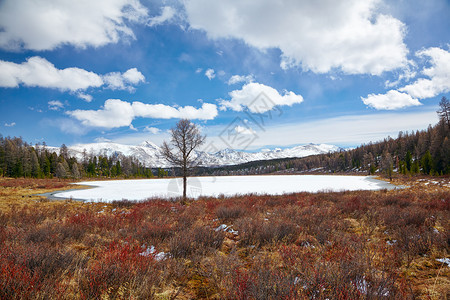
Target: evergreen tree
{"type": "Point", "coordinates": [35, 167]}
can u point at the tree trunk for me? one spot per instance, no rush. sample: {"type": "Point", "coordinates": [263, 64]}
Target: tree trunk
{"type": "Point", "coordinates": [184, 187]}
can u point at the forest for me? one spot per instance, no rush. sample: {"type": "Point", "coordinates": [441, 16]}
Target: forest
{"type": "Point", "coordinates": [20, 159]}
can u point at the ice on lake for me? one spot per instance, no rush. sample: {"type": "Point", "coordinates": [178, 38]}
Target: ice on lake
{"type": "Point", "coordinates": [142, 189]}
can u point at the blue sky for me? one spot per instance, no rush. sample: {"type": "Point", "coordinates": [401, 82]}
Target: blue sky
{"type": "Point", "coordinates": [338, 72]}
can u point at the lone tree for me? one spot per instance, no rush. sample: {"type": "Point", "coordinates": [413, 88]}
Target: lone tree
{"type": "Point", "coordinates": [186, 137]}
{"type": "Point", "coordinates": [444, 111]}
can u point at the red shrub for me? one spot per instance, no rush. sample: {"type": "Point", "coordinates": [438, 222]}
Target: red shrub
{"type": "Point", "coordinates": [119, 265]}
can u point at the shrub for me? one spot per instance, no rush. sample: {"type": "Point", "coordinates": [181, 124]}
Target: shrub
{"type": "Point", "coordinates": [228, 213]}
{"type": "Point", "coordinates": [259, 232]}
{"type": "Point", "coordinates": [197, 240]}
{"type": "Point", "coordinates": [119, 271]}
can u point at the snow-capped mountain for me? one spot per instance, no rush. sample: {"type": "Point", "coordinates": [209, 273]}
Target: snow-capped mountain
{"type": "Point", "coordinates": [148, 153]}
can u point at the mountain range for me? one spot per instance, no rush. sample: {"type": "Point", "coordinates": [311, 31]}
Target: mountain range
{"type": "Point", "coordinates": [148, 153]}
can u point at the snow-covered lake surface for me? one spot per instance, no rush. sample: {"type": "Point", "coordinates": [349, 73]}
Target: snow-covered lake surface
{"type": "Point", "coordinates": [143, 189]}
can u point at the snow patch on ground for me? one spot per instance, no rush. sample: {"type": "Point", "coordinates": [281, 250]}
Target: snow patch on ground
{"type": "Point", "coordinates": [444, 261]}
{"type": "Point", "coordinates": [151, 251]}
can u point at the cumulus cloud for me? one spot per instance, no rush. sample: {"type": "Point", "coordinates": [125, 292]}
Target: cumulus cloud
{"type": "Point", "coordinates": [122, 81]}
{"type": "Point", "coordinates": [210, 74]}
{"type": "Point", "coordinates": [12, 124]}
{"type": "Point", "coordinates": [117, 113]}
{"type": "Point", "coordinates": [85, 97]}
{"type": "Point", "coordinates": [438, 82]}
{"type": "Point", "coordinates": [39, 72]}
{"type": "Point", "coordinates": [208, 111]}
{"type": "Point", "coordinates": [166, 15]}
{"type": "Point", "coordinates": [55, 105]}
{"type": "Point", "coordinates": [258, 98]}
{"type": "Point", "coordinates": [46, 25]}
{"type": "Point", "coordinates": [350, 35]}
{"type": "Point", "coordinates": [438, 74]}
{"type": "Point", "coordinates": [152, 130]}
{"type": "Point", "coordinates": [390, 101]}
{"type": "Point", "coordinates": [239, 78]}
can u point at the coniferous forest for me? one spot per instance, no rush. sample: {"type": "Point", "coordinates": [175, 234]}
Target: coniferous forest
{"type": "Point", "coordinates": [20, 159]}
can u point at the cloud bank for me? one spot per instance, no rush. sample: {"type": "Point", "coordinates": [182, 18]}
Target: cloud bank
{"type": "Point", "coordinates": [350, 35]}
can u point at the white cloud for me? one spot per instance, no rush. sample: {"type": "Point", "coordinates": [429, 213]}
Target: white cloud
{"type": "Point", "coordinates": [12, 124]}
{"type": "Point", "coordinates": [438, 74]}
{"type": "Point", "coordinates": [210, 74]}
{"type": "Point", "coordinates": [240, 78]}
{"type": "Point", "coordinates": [243, 130]}
{"type": "Point", "coordinates": [152, 130]}
{"type": "Point", "coordinates": [390, 101]}
{"type": "Point", "coordinates": [55, 105]}
{"type": "Point", "coordinates": [258, 98]}
{"type": "Point", "coordinates": [350, 35]}
{"type": "Point", "coordinates": [39, 72]}
{"type": "Point", "coordinates": [133, 76]}
{"type": "Point", "coordinates": [438, 82]}
{"type": "Point", "coordinates": [117, 113]}
{"type": "Point", "coordinates": [46, 25]}
{"type": "Point", "coordinates": [118, 81]}
{"type": "Point", "coordinates": [166, 15]}
{"type": "Point", "coordinates": [85, 97]}
{"type": "Point", "coordinates": [160, 111]}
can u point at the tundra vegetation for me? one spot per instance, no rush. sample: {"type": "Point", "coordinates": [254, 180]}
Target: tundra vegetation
{"type": "Point", "coordinates": [347, 245]}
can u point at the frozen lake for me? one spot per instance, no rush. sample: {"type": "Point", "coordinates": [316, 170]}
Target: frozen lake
{"type": "Point", "coordinates": [143, 189]}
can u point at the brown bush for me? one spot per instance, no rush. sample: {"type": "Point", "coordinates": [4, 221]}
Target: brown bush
{"type": "Point", "coordinates": [228, 213]}
{"type": "Point", "coordinates": [259, 232]}
{"type": "Point", "coordinates": [198, 240]}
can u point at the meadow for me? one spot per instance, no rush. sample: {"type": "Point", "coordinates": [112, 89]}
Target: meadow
{"type": "Point", "coordinates": [387, 244]}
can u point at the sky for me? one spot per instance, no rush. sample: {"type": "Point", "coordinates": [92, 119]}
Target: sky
{"type": "Point", "coordinates": [250, 74]}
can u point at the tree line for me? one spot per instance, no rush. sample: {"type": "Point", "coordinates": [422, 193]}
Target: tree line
{"type": "Point", "coordinates": [20, 159]}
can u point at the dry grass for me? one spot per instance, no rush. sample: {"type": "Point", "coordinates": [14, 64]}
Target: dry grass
{"type": "Point", "coordinates": [349, 245]}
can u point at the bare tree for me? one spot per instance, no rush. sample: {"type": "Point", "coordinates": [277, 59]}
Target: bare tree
{"type": "Point", "coordinates": [186, 137]}
{"type": "Point", "coordinates": [444, 112]}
